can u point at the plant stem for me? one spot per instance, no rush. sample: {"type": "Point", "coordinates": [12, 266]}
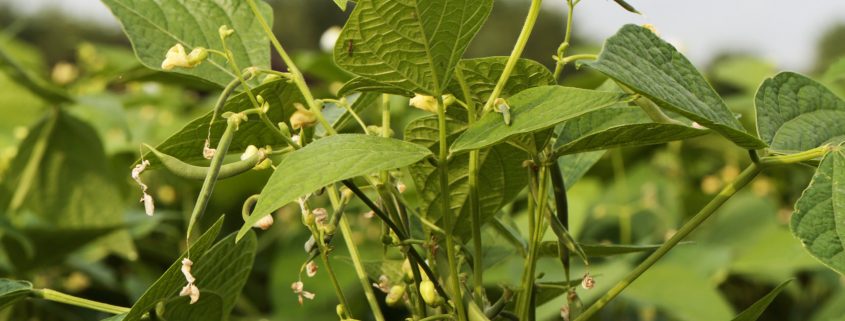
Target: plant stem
{"type": "Point", "coordinates": [474, 209]}
{"type": "Point", "coordinates": [727, 192]}
{"type": "Point", "coordinates": [562, 207]}
{"type": "Point", "coordinates": [296, 75]}
{"type": "Point", "coordinates": [524, 308]}
{"type": "Point", "coordinates": [446, 212]}
{"type": "Point", "coordinates": [346, 231]}
{"type": "Point", "coordinates": [211, 177]}
{"type": "Point", "coordinates": [324, 255]}
{"type": "Point", "coordinates": [57, 296]}
{"type": "Point", "coordinates": [565, 45]}
{"type": "Point", "coordinates": [533, 12]}
{"type": "Point", "coordinates": [808, 155]}
{"type": "Point", "coordinates": [654, 112]}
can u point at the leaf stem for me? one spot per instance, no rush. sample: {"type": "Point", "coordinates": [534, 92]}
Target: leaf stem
{"type": "Point", "coordinates": [474, 210]}
{"type": "Point", "coordinates": [524, 308]}
{"type": "Point", "coordinates": [527, 27]}
{"type": "Point", "coordinates": [654, 112]}
{"type": "Point", "coordinates": [561, 51]}
{"type": "Point", "coordinates": [56, 296]}
{"type": "Point", "coordinates": [446, 212]}
{"type": "Point", "coordinates": [296, 75]}
{"type": "Point", "coordinates": [804, 156]}
{"type": "Point", "coordinates": [562, 207]}
{"type": "Point", "coordinates": [727, 192]}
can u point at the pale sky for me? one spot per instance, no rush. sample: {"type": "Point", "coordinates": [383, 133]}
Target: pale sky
{"type": "Point", "coordinates": [783, 31]}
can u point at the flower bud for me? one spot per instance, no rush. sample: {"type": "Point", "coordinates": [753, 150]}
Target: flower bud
{"type": "Point", "coordinates": [250, 151]}
{"type": "Point", "coordinates": [265, 164]}
{"type": "Point", "coordinates": [394, 296]}
{"type": "Point", "coordinates": [224, 31]}
{"type": "Point", "coordinates": [429, 294]}
{"type": "Point", "coordinates": [500, 105]}
{"type": "Point", "coordinates": [197, 56]}
{"type": "Point", "coordinates": [177, 57]}
{"type": "Point", "coordinates": [449, 100]}
{"type": "Point", "coordinates": [327, 229]}
{"type": "Point", "coordinates": [264, 223]}
{"type": "Point", "coordinates": [427, 103]}
{"type": "Point", "coordinates": [311, 269]}
{"type": "Point", "coordinates": [302, 117]}
{"type": "Point", "coordinates": [340, 310]}
{"type": "Point", "coordinates": [64, 73]}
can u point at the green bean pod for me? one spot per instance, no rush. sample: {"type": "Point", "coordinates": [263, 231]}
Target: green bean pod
{"type": "Point", "coordinates": [185, 170]}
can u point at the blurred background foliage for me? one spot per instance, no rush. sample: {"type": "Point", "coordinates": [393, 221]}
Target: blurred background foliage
{"type": "Point", "coordinates": [632, 196]}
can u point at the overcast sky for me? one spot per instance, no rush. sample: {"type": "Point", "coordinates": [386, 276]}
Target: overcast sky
{"type": "Point", "coordinates": [783, 31]}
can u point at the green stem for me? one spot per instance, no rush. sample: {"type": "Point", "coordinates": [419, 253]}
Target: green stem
{"type": "Point", "coordinates": [438, 317]}
{"type": "Point", "coordinates": [654, 112]}
{"type": "Point", "coordinates": [446, 212]}
{"type": "Point", "coordinates": [474, 210]}
{"type": "Point", "coordinates": [57, 296]}
{"type": "Point", "coordinates": [346, 231]}
{"type": "Point", "coordinates": [727, 192]}
{"type": "Point", "coordinates": [296, 75]}
{"type": "Point", "coordinates": [808, 155]}
{"type": "Point", "coordinates": [562, 209]}
{"type": "Point", "coordinates": [524, 308]}
{"type": "Point", "coordinates": [533, 12]}
{"type": "Point", "coordinates": [211, 177]}
{"type": "Point", "coordinates": [565, 45]}
{"type": "Point", "coordinates": [324, 255]}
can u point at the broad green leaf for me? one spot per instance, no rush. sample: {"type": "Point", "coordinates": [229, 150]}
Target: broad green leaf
{"type": "Point", "coordinates": [535, 109]}
{"type": "Point", "coordinates": [617, 127]}
{"type": "Point", "coordinates": [61, 177]}
{"type": "Point", "coordinates": [756, 310]}
{"type": "Point", "coordinates": [12, 291]}
{"type": "Point", "coordinates": [187, 144]}
{"type": "Point", "coordinates": [37, 85]}
{"type": "Point", "coordinates": [819, 217]}
{"type": "Point", "coordinates": [418, 45]}
{"type": "Point", "coordinates": [329, 160]}
{"type": "Point", "coordinates": [500, 176]}
{"type": "Point", "coordinates": [550, 248]}
{"type": "Point", "coordinates": [225, 268]}
{"type": "Point", "coordinates": [796, 113]}
{"type": "Point", "coordinates": [155, 26]}
{"type": "Point", "coordinates": [745, 72]}
{"type": "Point", "coordinates": [648, 65]}
{"type": "Point", "coordinates": [170, 283]}
{"type": "Point", "coordinates": [208, 308]}
{"type": "Point", "coordinates": [575, 166]}
{"type": "Point", "coordinates": [362, 84]}
{"type": "Point", "coordinates": [481, 75]}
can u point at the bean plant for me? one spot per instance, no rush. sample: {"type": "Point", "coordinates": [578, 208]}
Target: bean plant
{"type": "Point", "coordinates": [500, 136]}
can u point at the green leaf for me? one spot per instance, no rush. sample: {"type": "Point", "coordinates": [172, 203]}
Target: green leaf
{"type": "Point", "coordinates": [617, 127]}
{"type": "Point", "coordinates": [819, 217]}
{"type": "Point", "coordinates": [481, 75]}
{"type": "Point", "coordinates": [187, 143]}
{"type": "Point", "coordinates": [419, 42]}
{"type": "Point", "coordinates": [796, 113]}
{"type": "Point", "coordinates": [329, 160]}
{"type": "Point", "coordinates": [155, 26]}
{"type": "Point", "coordinates": [208, 308]}
{"type": "Point", "coordinates": [535, 109]}
{"type": "Point", "coordinates": [362, 84]}
{"type": "Point", "coordinates": [61, 176]}
{"type": "Point", "coordinates": [756, 310]}
{"type": "Point", "coordinates": [648, 65]}
{"type": "Point", "coordinates": [500, 175]}
{"type": "Point", "coordinates": [744, 72]}
{"type": "Point", "coordinates": [626, 6]}
{"type": "Point", "coordinates": [168, 284]}
{"type": "Point", "coordinates": [12, 291]}
{"type": "Point", "coordinates": [341, 4]}
{"type": "Point", "coordinates": [37, 85]}
{"type": "Point", "coordinates": [575, 166]}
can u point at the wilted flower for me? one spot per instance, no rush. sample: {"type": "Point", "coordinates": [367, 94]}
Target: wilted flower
{"type": "Point", "coordinates": [588, 282]}
{"type": "Point", "coordinates": [401, 187]}
{"type": "Point", "coordinates": [311, 269]}
{"type": "Point", "coordinates": [264, 223]}
{"type": "Point", "coordinates": [302, 117]}
{"type": "Point", "coordinates": [369, 214]}
{"type": "Point", "coordinates": [192, 291]}
{"type": "Point", "coordinates": [383, 284]}
{"type": "Point", "coordinates": [207, 151]}
{"type": "Point", "coordinates": [186, 270]}
{"type": "Point", "coordinates": [149, 205]}
{"type": "Point", "coordinates": [321, 216]}
{"type": "Point", "coordinates": [297, 289]}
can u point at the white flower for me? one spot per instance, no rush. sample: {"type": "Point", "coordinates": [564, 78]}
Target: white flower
{"type": "Point", "coordinates": [311, 269]}
{"type": "Point", "coordinates": [250, 151]}
{"type": "Point", "coordinates": [264, 223]}
{"type": "Point", "coordinates": [186, 270]}
{"type": "Point", "coordinates": [192, 291]}
{"type": "Point", "coordinates": [427, 103]}
{"type": "Point", "coordinates": [207, 151]}
{"type": "Point", "coordinates": [177, 57]}
{"type": "Point", "coordinates": [297, 289]}
{"type": "Point", "coordinates": [329, 38]}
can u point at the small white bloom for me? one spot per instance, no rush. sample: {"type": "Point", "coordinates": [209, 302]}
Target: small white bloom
{"type": "Point", "coordinates": [149, 204]}
{"type": "Point", "coordinates": [177, 57]}
{"type": "Point", "coordinates": [329, 38]}
{"type": "Point", "coordinates": [297, 288]}
{"type": "Point", "coordinates": [224, 31]}
{"type": "Point", "coordinates": [192, 291]}
{"type": "Point", "coordinates": [186, 270]}
{"type": "Point", "coordinates": [427, 103]}
{"type": "Point", "coordinates": [250, 151]}
{"type": "Point", "coordinates": [264, 223]}
{"type": "Point", "coordinates": [207, 151]}
{"type": "Point", "coordinates": [401, 187]}
{"type": "Point", "coordinates": [311, 269]}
